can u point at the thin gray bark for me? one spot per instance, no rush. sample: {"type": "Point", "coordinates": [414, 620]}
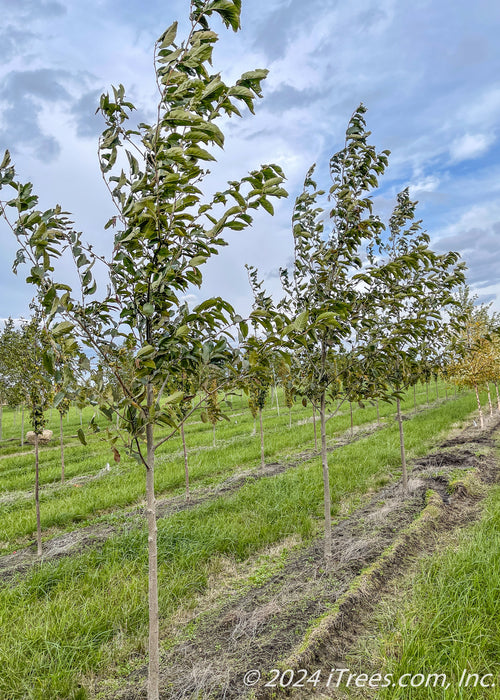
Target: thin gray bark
{"type": "Point", "coordinates": [262, 460]}
{"type": "Point", "coordinates": [326, 485]}
{"type": "Point", "coordinates": [289, 418]}
{"type": "Point", "coordinates": [277, 400]}
{"type": "Point", "coordinates": [61, 442]}
{"type": "Point", "coordinates": [213, 434]}
{"type": "Point", "coordinates": [427, 391]}
{"type": "Point", "coordinates": [481, 418]}
{"type": "Point", "coordinates": [489, 399]}
{"type": "Point", "coordinates": [22, 426]}
{"type": "Point", "coordinates": [37, 501]}
{"type": "Point", "coordinates": [154, 627]}
{"type": "Point", "coordinates": [402, 446]}
{"type": "Point", "coordinates": [186, 466]}
{"type": "Point", "coordinates": [314, 425]}
{"type": "Point", "coordinates": [437, 388]}
{"type": "Point", "coordinates": [498, 396]}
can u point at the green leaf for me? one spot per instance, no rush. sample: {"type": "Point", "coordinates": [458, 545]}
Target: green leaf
{"type": "Point", "coordinates": [200, 153]}
{"type": "Point", "coordinates": [146, 350]}
{"type": "Point", "coordinates": [259, 74]}
{"type": "Point", "coordinates": [182, 332]}
{"type": "Point", "coordinates": [176, 397]}
{"type": "Point", "coordinates": [81, 436]}
{"type": "Point", "coordinates": [241, 91]}
{"type": "Point", "coordinates": [62, 328]}
{"type": "Point", "coordinates": [329, 317]}
{"type": "Point", "coordinates": [198, 260]}
{"type": "Point", "coordinates": [148, 309]}
{"type": "Point", "coordinates": [168, 37]}
{"type": "Point", "coordinates": [301, 321]}
{"type": "Point", "coordinates": [267, 205]}
{"type": "Point", "coordinates": [6, 160]}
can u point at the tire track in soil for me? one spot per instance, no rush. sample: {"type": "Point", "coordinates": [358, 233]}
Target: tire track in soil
{"type": "Point", "coordinates": [258, 628]}
{"type": "Point", "coordinates": [74, 542]}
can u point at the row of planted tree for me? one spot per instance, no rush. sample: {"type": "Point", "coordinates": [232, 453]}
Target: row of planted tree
{"type": "Point", "coordinates": [367, 310]}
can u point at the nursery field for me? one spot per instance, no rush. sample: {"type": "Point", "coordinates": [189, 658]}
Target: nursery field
{"type": "Point", "coordinates": [242, 583]}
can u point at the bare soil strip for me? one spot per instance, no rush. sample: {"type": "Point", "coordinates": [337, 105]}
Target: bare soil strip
{"type": "Point", "coordinates": [76, 541]}
{"type": "Point", "coordinates": [304, 617]}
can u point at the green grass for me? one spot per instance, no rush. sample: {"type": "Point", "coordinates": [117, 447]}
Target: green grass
{"type": "Point", "coordinates": [72, 617]}
{"type": "Point", "coordinates": [236, 449]}
{"type": "Point", "coordinates": [450, 623]}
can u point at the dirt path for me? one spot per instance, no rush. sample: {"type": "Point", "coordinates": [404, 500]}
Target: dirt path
{"type": "Point", "coordinates": [265, 627]}
{"type": "Point", "coordinates": [74, 542]}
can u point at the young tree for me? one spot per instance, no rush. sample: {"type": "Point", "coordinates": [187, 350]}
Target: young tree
{"type": "Point", "coordinates": [166, 230]}
{"type": "Point", "coordinates": [26, 366]}
{"type": "Point", "coordinates": [411, 288]}
{"type": "Point", "coordinates": [257, 380]}
{"type": "Point", "coordinates": [287, 380]}
{"type": "Point", "coordinates": [65, 363]}
{"type": "Point", "coordinates": [475, 360]}
{"type": "Point", "coordinates": [331, 309]}
{"type": "Point", "coordinates": [322, 307]}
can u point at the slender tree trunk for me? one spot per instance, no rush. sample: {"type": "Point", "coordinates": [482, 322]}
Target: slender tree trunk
{"type": "Point", "coordinates": [1, 420]}
{"type": "Point", "coordinates": [402, 446]}
{"type": "Point", "coordinates": [213, 433]}
{"type": "Point", "coordinates": [61, 442]}
{"type": "Point", "coordinates": [481, 419]}
{"type": "Point", "coordinates": [314, 426]}
{"type": "Point", "coordinates": [414, 398]}
{"type": "Point", "coordinates": [289, 418]}
{"type": "Point", "coordinates": [489, 399]}
{"type": "Point", "coordinates": [262, 460]}
{"type": "Point", "coordinates": [154, 626]}
{"type": "Point", "coordinates": [277, 400]}
{"type": "Point", "coordinates": [14, 417]}
{"type": "Point", "coordinates": [378, 414]}
{"type": "Point", "coordinates": [352, 420]}
{"type": "Point", "coordinates": [455, 391]}
{"type": "Point", "coordinates": [37, 501]}
{"type": "Point", "coordinates": [498, 396]}
{"type": "Point", "coordinates": [326, 485]}
{"type": "Point", "coordinates": [22, 426]}
{"type": "Point", "coordinates": [186, 467]}
{"type": "Point", "coordinates": [437, 388]}
{"type": "Point", "coordinates": [254, 426]}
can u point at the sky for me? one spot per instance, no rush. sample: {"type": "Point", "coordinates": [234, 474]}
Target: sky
{"type": "Point", "coordinates": [428, 73]}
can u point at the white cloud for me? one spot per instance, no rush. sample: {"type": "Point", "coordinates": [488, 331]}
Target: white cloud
{"type": "Point", "coordinates": [426, 184]}
{"type": "Point", "coordinates": [470, 146]}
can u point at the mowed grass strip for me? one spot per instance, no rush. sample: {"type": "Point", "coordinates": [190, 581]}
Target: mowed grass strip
{"type": "Point", "coordinates": [450, 623]}
{"type": "Point", "coordinates": [124, 486]}
{"type": "Point", "coordinates": [78, 616]}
